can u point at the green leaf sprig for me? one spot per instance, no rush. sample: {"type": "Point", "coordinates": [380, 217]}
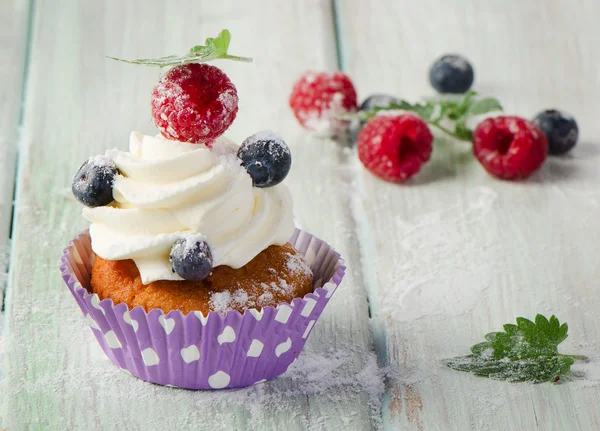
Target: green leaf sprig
{"type": "Point", "coordinates": [525, 352]}
{"type": "Point", "coordinates": [436, 113]}
{"type": "Point", "coordinates": [212, 49]}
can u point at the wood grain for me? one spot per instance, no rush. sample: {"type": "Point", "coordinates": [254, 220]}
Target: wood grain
{"type": "Point", "coordinates": [79, 104]}
{"type": "Point", "coordinates": [13, 46]}
{"type": "Point", "coordinates": [438, 262]}
{"type": "Point", "coordinates": [455, 253]}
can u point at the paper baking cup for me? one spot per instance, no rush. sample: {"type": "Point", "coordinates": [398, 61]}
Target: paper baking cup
{"type": "Point", "coordinates": [195, 351]}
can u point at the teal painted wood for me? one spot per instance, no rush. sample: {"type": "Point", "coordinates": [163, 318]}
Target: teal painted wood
{"type": "Point", "coordinates": [79, 104]}
{"type": "Point", "coordinates": [13, 44]}
{"type": "Point", "coordinates": [455, 253]}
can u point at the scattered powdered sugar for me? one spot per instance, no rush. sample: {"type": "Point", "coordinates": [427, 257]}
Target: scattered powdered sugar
{"type": "Point", "coordinates": [321, 116]}
{"type": "Point", "coordinates": [416, 288]}
{"type": "Point", "coordinates": [101, 161]}
{"type": "Point", "coordinates": [318, 374]}
{"type": "Point", "coordinates": [229, 99]}
{"type": "Point", "coordinates": [96, 168]}
{"type": "Point", "coordinates": [231, 162]}
{"type": "Point", "coordinates": [267, 135]}
{"type": "Point", "coordinates": [265, 298]}
{"type": "Point", "coordinates": [324, 376]}
{"type": "Point", "coordinates": [324, 122]}
{"type": "Point", "coordinates": [297, 264]}
{"type": "Point", "coordinates": [459, 63]}
{"type": "Point", "coordinates": [223, 146]}
{"type": "Point", "coordinates": [310, 77]}
{"type": "Point", "coordinates": [586, 373]}
{"type": "Point", "coordinates": [165, 89]}
{"type": "Point", "coordinates": [281, 287]}
{"type": "Point", "coordinates": [270, 141]}
{"type": "Point", "coordinates": [191, 242]}
{"type": "Point", "coordinates": [225, 301]}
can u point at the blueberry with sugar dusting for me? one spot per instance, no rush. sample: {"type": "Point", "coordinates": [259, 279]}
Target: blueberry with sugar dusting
{"type": "Point", "coordinates": [377, 100]}
{"type": "Point", "coordinates": [451, 73]}
{"type": "Point", "coordinates": [266, 158]}
{"type": "Point", "coordinates": [560, 129]}
{"type": "Point", "coordinates": [93, 182]}
{"type": "Point", "coordinates": [191, 259]}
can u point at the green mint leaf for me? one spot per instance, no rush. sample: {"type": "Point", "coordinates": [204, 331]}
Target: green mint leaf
{"type": "Point", "coordinates": [527, 351]}
{"type": "Point", "coordinates": [537, 370]}
{"type": "Point", "coordinates": [220, 43]}
{"type": "Point", "coordinates": [213, 48]}
{"type": "Point", "coordinates": [439, 113]}
{"type": "Point", "coordinates": [462, 132]}
{"type": "Point", "coordinates": [483, 106]}
{"type": "Point", "coordinates": [467, 101]}
{"type": "Point", "coordinates": [424, 111]}
{"type": "Point", "coordinates": [458, 110]}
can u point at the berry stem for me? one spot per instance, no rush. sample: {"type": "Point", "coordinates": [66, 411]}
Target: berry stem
{"type": "Point", "coordinates": [235, 57]}
{"type": "Point", "coordinates": [577, 357]}
{"type": "Point", "coordinates": [447, 131]}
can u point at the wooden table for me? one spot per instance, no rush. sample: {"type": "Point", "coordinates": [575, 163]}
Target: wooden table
{"type": "Point", "coordinates": [434, 264]}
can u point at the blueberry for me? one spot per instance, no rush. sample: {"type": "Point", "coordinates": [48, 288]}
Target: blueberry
{"type": "Point", "coordinates": [93, 182]}
{"type": "Point", "coordinates": [560, 129]}
{"type": "Point", "coordinates": [191, 259]}
{"type": "Point", "coordinates": [451, 74]}
{"type": "Point", "coordinates": [377, 100]}
{"type": "Point", "coordinates": [266, 157]}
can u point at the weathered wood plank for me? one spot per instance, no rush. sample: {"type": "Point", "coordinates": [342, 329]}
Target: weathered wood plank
{"type": "Point", "coordinates": [79, 104]}
{"type": "Point", "coordinates": [455, 253]}
{"type": "Point", "coordinates": [13, 43]}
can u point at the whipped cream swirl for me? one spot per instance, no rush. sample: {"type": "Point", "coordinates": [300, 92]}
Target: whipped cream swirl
{"type": "Point", "coordinates": [167, 190]}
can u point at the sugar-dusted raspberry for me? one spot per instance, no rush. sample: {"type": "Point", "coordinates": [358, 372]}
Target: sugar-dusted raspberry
{"type": "Point", "coordinates": [509, 147]}
{"type": "Point", "coordinates": [394, 147]}
{"type": "Point", "coordinates": [194, 103]}
{"type": "Point", "coordinates": [317, 99]}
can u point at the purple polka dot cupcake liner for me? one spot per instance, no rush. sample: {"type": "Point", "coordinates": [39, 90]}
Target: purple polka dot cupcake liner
{"type": "Point", "coordinates": [197, 351]}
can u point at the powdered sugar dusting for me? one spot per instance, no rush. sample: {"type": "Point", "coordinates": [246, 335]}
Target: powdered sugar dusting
{"type": "Point", "coordinates": [183, 113]}
{"type": "Point", "coordinates": [429, 238]}
{"type": "Point", "coordinates": [225, 301]}
{"type": "Point", "coordinates": [458, 62]}
{"type": "Point", "coordinates": [267, 135]}
{"type": "Point", "coordinates": [275, 145]}
{"type": "Point", "coordinates": [231, 162]}
{"type": "Point", "coordinates": [324, 122]}
{"type": "Point", "coordinates": [265, 298]}
{"type": "Point", "coordinates": [101, 161]}
{"type": "Point", "coordinates": [318, 98]}
{"type": "Point", "coordinates": [240, 299]}
{"type": "Point", "coordinates": [192, 240]}
{"type": "Point", "coordinates": [297, 264]}
{"type": "Point", "coordinates": [587, 373]}
{"type": "Point", "coordinates": [229, 99]}
{"type": "Point", "coordinates": [322, 373]}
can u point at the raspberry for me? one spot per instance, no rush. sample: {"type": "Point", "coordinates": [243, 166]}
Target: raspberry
{"type": "Point", "coordinates": [395, 147]}
{"type": "Point", "coordinates": [509, 147]}
{"type": "Point", "coordinates": [194, 103]}
{"type": "Point", "coordinates": [317, 98]}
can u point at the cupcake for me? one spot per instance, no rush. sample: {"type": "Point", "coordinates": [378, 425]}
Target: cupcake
{"type": "Point", "coordinates": [192, 273]}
